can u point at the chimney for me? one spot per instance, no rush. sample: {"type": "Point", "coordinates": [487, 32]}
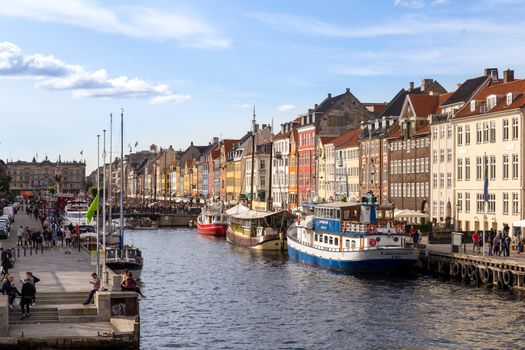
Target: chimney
{"type": "Point", "coordinates": [329, 95]}
{"type": "Point", "coordinates": [458, 85]}
{"type": "Point", "coordinates": [425, 83]}
{"type": "Point", "coordinates": [215, 140]}
{"type": "Point", "coordinates": [191, 143]}
{"type": "Point", "coordinates": [411, 86]}
{"type": "Point", "coordinates": [488, 71]}
{"type": "Point", "coordinates": [508, 75]}
{"type": "Point", "coordinates": [347, 90]}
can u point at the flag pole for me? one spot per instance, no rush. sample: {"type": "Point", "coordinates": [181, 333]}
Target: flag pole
{"type": "Point", "coordinates": [104, 205]}
{"type": "Point", "coordinates": [485, 199]}
{"type": "Point", "coordinates": [99, 269]}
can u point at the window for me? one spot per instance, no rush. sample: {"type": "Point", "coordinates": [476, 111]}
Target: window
{"type": "Point", "coordinates": [434, 156]}
{"type": "Point", "coordinates": [491, 102]}
{"type": "Point", "coordinates": [459, 169]}
{"type": "Point", "coordinates": [467, 169]}
{"type": "Point", "coordinates": [479, 133]}
{"type": "Point", "coordinates": [505, 129]}
{"type": "Point", "coordinates": [434, 133]}
{"type": "Point", "coordinates": [492, 126]}
{"type": "Point", "coordinates": [479, 168]}
{"type": "Point", "coordinates": [449, 180]}
{"type": "Point", "coordinates": [427, 165]}
{"type": "Point", "coordinates": [441, 208]}
{"type": "Point", "coordinates": [492, 167]}
{"type": "Point", "coordinates": [492, 203]}
{"type": "Point", "coordinates": [467, 202]}
{"type": "Point", "coordinates": [441, 180]}
{"type": "Point", "coordinates": [515, 166]}
{"type": "Point", "coordinates": [441, 131]}
{"type": "Point", "coordinates": [515, 204]}
{"type": "Point", "coordinates": [509, 98]}
{"type": "Point", "coordinates": [467, 135]}
{"type": "Point", "coordinates": [485, 132]}
{"type": "Point", "coordinates": [449, 131]}
{"type": "Point", "coordinates": [434, 180]}
{"type": "Point", "coordinates": [505, 203]}
{"type": "Point", "coordinates": [460, 135]}
{"type": "Point", "coordinates": [435, 207]}
{"type": "Point", "coordinates": [442, 156]}
{"type": "Point", "coordinates": [505, 166]}
{"type": "Point", "coordinates": [514, 128]}
{"type": "Point", "coordinates": [460, 200]}
{"type": "Point", "coordinates": [449, 155]}
{"type": "Point", "coordinates": [472, 105]}
{"type": "Point", "coordinates": [479, 202]}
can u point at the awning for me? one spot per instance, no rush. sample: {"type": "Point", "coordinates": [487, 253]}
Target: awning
{"type": "Point", "coordinates": [407, 213]}
{"type": "Point", "coordinates": [520, 223]}
{"type": "Point", "coordinates": [238, 209]}
{"type": "Point", "coordinates": [254, 214]}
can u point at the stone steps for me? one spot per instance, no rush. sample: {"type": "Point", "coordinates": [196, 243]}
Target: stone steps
{"type": "Point", "coordinates": [38, 315]}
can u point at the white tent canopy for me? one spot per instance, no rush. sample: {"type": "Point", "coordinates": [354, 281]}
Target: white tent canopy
{"type": "Point", "coordinates": [238, 209]}
{"type": "Point", "coordinates": [520, 223]}
{"type": "Point", "coordinates": [407, 213]}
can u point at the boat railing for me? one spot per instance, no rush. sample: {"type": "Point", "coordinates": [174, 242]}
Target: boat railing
{"type": "Point", "coordinates": [391, 227]}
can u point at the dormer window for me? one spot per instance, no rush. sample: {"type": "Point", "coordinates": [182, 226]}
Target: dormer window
{"type": "Point", "coordinates": [491, 102]}
{"type": "Point", "coordinates": [472, 105]}
{"type": "Point", "coordinates": [509, 98]}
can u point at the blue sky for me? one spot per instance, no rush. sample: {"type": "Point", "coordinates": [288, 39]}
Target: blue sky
{"type": "Point", "coordinates": [190, 70]}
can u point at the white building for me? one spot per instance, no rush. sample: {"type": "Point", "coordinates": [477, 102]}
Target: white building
{"type": "Point", "coordinates": [489, 130]}
{"type": "Point", "coordinates": [280, 173]}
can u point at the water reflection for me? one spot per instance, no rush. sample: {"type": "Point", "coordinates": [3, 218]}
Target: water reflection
{"type": "Point", "coordinates": [205, 293]}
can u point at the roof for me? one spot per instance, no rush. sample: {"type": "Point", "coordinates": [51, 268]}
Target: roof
{"type": "Point", "coordinates": [281, 136]}
{"type": "Point", "coordinates": [393, 108]}
{"type": "Point", "coordinates": [326, 139]}
{"type": "Point", "coordinates": [347, 139]}
{"type": "Point", "coordinates": [516, 87]}
{"type": "Point", "coordinates": [465, 91]}
{"type": "Point", "coordinates": [255, 214]}
{"type": "Point", "coordinates": [228, 144]}
{"type": "Point", "coordinates": [424, 105]}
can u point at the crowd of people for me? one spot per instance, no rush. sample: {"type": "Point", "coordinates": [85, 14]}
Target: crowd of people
{"type": "Point", "coordinates": [137, 205]}
{"type": "Point", "coordinates": [499, 243]}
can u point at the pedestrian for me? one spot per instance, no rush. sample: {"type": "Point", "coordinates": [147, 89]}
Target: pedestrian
{"type": "Point", "coordinates": [60, 236]}
{"type": "Point", "coordinates": [28, 295]}
{"type": "Point", "coordinates": [34, 280]}
{"type": "Point", "coordinates": [38, 239]}
{"type": "Point", "coordinates": [20, 235]}
{"type": "Point", "coordinates": [506, 244]}
{"type": "Point", "coordinates": [492, 235]}
{"type": "Point", "coordinates": [9, 289]}
{"type": "Point", "coordinates": [497, 244]}
{"type": "Point", "coordinates": [68, 237]}
{"type": "Point", "coordinates": [415, 237]}
{"type": "Point", "coordinates": [7, 262]}
{"type": "Point", "coordinates": [95, 286]}
{"type": "Point", "coordinates": [475, 241]}
{"type": "Point", "coordinates": [517, 240]}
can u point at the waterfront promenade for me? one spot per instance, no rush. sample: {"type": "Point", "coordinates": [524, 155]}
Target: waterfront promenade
{"type": "Point", "coordinates": [58, 316]}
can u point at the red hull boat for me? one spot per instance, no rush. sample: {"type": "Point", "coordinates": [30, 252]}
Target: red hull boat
{"type": "Point", "coordinates": [212, 224]}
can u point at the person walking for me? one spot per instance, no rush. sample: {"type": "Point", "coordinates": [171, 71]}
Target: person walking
{"type": "Point", "coordinates": [475, 241]}
{"type": "Point", "coordinates": [20, 235]}
{"type": "Point", "coordinates": [28, 295]}
{"type": "Point", "coordinates": [95, 286]}
{"type": "Point", "coordinates": [34, 280]}
{"type": "Point", "coordinates": [506, 244]}
{"type": "Point", "coordinates": [497, 244]}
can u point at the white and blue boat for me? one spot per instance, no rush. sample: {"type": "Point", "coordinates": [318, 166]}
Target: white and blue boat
{"type": "Point", "coordinates": [352, 237]}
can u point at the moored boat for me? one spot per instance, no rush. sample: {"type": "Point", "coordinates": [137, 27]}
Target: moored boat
{"type": "Point", "coordinates": [354, 237]}
{"type": "Point", "coordinates": [259, 230]}
{"type": "Point", "coordinates": [211, 222]}
{"type": "Point", "coordinates": [129, 258]}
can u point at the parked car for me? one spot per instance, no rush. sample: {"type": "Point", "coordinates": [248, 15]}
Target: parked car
{"type": "Point", "coordinates": [4, 233]}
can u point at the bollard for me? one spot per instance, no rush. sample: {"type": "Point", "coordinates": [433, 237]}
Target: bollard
{"type": "Point", "coordinates": [25, 249]}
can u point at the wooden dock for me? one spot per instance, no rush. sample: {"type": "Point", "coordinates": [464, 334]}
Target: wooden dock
{"type": "Point", "coordinates": [503, 272]}
{"type": "Point", "coordinates": [58, 319]}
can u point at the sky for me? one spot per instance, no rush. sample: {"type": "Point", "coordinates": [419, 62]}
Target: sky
{"type": "Point", "coordinates": [187, 71]}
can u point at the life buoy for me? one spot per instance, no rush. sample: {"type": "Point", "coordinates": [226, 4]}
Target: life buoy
{"type": "Point", "coordinates": [507, 278]}
{"type": "Point", "coordinates": [372, 242]}
{"type": "Point", "coordinates": [372, 229]}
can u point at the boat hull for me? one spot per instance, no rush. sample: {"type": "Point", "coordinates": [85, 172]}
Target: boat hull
{"type": "Point", "coordinates": [381, 261]}
{"type": "Point", "coordinates": [212, 229]}
{"type": "Point", "coordinates": [265, 242]}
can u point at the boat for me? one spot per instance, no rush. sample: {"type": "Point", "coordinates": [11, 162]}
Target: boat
{"type": "Point", "coordinates": [359, 237]}
{"type": "Point", "coordinates": [120, 257]}
{"type": "Point", "coordinates": [141, 224]}
{"type": "Point", "coordinates": [259, 230]}
{"type": "Point", "coordinates": [75, 214]}
{"type": "Point", "coordinates": [212, 222]}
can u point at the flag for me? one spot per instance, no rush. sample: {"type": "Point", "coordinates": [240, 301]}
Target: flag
{"type": "Point", "coordinates": [92, 208]}
{"type": "Point", "coordinates": [486, 183]}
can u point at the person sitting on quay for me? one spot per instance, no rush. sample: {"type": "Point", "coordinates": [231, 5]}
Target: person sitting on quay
{"type": "Point", "coordinates": [123, 277]}
{"type": "Point", "coordinates": [95, 286]}
{"type": "Point", "coordinates": [130, 285]}
{"type": "Point", "coordinates": [9, 289]}
{"type": "Point", "coordinates": [475, 241]}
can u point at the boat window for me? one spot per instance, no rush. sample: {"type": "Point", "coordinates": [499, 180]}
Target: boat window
{"type": "Point", "coordinates": [353, 244]}
{"type": "Point", "coordinates": [131, 254]}
{"type": "Point", "coordinates": [337, 214]}
{"type": "Point", "coordinates": [346, 214]}
{"type": "Point", "coordinates": [326, 239]}
{"type": "Point", "coordinates": [110, 254]}
{"type": "Point", "coordinates": [321, 238]}
{"type": "Point", "coordinates": [315, 237]}
{"type": "Point", "coordinates": [347, 243]}
{"type": "Point", "coordinates": [331, 241]}
{"type": "Point", "coordinates": [336, 241]}
{"type": "Point", "coordinates": [378, 239]}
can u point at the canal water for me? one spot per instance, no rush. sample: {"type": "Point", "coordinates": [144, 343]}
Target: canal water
{"type": "Point", "coordinates": [204, 293]}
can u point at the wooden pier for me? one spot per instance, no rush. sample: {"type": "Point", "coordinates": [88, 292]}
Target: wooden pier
{"type": "Point", "coordinates": [500, 271]}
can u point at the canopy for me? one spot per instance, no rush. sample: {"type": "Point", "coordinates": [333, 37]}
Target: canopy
{"type": "Point", "coordinates": [520, 223]}
{"type": "Point", "coordinates": [238, 209]}
{"type": "Point", "coordinates": [407, 213]}
{"type": "Point", "coordinates": [255, 214]}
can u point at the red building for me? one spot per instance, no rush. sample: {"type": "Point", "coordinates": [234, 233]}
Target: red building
{"type": "Point", "coordinates": [306, 163]}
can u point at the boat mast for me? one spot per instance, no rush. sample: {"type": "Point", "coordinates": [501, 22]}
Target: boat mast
{"type": "Point", "coordinates": [253, 158]}
{"type": "Point", "coordinates": [110, 194]}
{"type": "Point", "coordinates": [270, 199]}
{"type": "Point", "coordinates": [121, 236]}
{"type": "Point", "coordinates": [104, 205]}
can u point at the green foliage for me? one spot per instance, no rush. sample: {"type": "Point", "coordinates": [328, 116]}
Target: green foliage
{"type": "Point", "coordinates": [5, 183]}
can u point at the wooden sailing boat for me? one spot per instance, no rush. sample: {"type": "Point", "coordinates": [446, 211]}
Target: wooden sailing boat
{"type": "Point", "coordinates": [257, 229]}
{"type": "Point", "coordinates": [121, 257]}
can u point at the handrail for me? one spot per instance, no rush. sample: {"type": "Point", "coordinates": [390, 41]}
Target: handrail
{"type": "Point", "coordinates": [389, 247]}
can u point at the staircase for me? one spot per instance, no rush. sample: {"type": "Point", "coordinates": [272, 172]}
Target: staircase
{"type": "Point", "coordinates": [38, 315]}
{"type": "Point", "coordinates": [57, 307]}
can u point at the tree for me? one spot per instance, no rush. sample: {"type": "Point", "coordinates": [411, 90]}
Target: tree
{"type": "Point", "coordinates": [5, 184]}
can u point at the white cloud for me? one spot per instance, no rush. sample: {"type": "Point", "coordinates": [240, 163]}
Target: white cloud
{"type": "Point", "coordinates": [137, 22]}
{"type": "Point", "coordinates": [414, 4]}
{"type": "Point", "coordinates": [53, 74]}
{"type": "Point", "coordinates": [286, 108]}
{"type": "Point", "coordinates": [241, 105]}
